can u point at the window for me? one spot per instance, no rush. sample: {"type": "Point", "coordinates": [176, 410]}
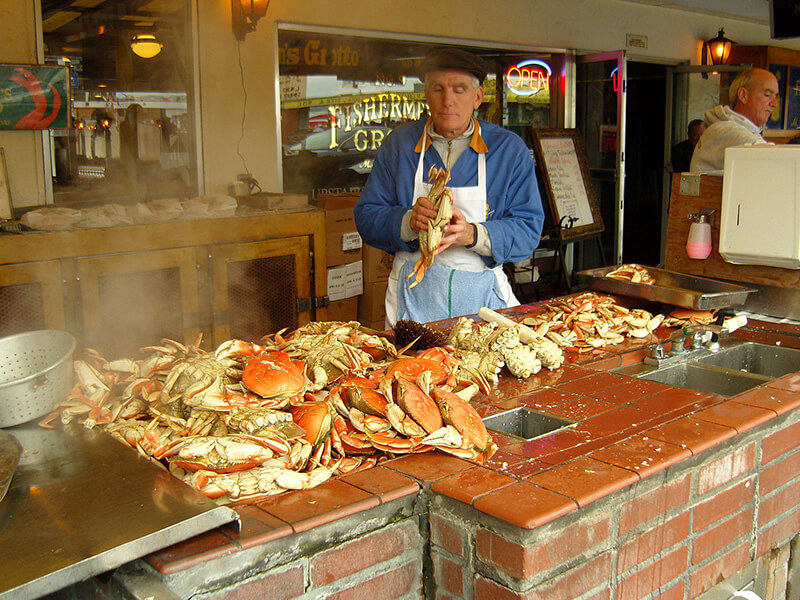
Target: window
{"type": "Point", "coordinates": [341, 96]}
{"type": "Point", "coordinates": [131, 137]}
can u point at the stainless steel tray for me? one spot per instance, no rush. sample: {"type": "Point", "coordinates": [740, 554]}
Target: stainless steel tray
{"type": "Point", "coordinates": [81, 504]}
{"type": "Point", "coordinates": [670, 287]}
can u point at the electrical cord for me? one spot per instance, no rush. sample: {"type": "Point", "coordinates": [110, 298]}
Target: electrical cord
{"type": "Point", "coordinates": [251, 182]}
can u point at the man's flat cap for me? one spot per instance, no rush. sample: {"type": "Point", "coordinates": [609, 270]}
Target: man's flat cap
{"type": "Point", "coordinates": [456, 59]}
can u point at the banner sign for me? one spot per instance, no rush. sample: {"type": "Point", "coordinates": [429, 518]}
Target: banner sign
{"type": "Point", "coordinates": [34, 97]}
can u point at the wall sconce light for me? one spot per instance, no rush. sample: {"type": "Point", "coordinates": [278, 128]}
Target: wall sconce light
{"type": "Point", "coordinates": [245, 15]}
{"type": "Point", "coordinates": [718, 48]}
{"type": "Point", "coordinates": [145, 45]}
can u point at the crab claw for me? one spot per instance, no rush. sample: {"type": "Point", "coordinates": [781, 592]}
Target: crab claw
{"type": "Point", "coordinates": [235, 347]}
{"type": "Point", "coordinates": [444, 437]}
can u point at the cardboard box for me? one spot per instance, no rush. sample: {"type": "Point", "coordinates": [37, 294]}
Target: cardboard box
{"type": "Point", "coordinates": [354, 279]}
{"type": "Point", "coordinates": [371, 306]}
{"type": "Point", "coordinates": [272, 201]}
{"type": "Point", "coordinates": [345, 281]}
{"type": "Point", "coordinates": [343, 310]}
{"type": "Point", "coordinates": [338, 200]}
{"type": "Point", "coordinates": [342, 241]}
{"type": "Point", "coordinates": [337, 276]}
{"type": "Point", "coordinates": [377, 264]}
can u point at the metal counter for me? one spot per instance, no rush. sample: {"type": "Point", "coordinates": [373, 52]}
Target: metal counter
{"type": "Point", "coordinates": [81, 503]}
{"type": "Point", "coordinates": [670, 287]}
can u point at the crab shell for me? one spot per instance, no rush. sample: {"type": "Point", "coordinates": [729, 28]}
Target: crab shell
{"type": "Point", "coordinates": [271, 478]}
{"type": "Point", "coordinates": [224, 454]}
{"type": "Point", "coordinates": [273, 374]}
{"type": "Point", "coordinates": [256, 481]}
{"type": "Point", "coordinates": [429, 239]}
{"type": "Point", "coordinates": [417, 404]}
{"type": "Point", "coordinates": [413, 367]}
{"type": "Point", "coordinates": [360, 393]}
{"type": "Point", "coordinates": [367, 400]}
{"type": "Point", "coordinates": [315, 418]}
{"type": "Point", "coordinates": [460, 414]}
{"type": "Point", "coordinates": [693, 316]}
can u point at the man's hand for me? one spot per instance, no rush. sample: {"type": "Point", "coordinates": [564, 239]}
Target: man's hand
{"type": "Point", "coordinates": [458, 232]}
{"type": "Point", "coordinates": [421, 213]}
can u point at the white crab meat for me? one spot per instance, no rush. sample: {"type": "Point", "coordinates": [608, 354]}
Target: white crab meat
{"type": "Point", "coordinates": [504, 337]}
{"type": "Point", "coordinates": [486, 364]}
{"type": "Point", "coordinates": [548, 352]}
{"type": "Point", "coordinates": [522, 361]}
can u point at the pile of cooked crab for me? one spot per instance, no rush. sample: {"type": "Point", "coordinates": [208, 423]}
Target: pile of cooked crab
{"type": "Point", "coordinates": [252, 419]}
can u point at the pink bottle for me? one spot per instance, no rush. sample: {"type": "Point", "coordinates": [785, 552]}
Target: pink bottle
{"type": "Point", "coordinates": [698, 244]}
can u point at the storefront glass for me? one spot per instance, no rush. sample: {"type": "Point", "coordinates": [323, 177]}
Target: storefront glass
{"type": "Point", "coordinates": [341, 96]}
{"type": "Point", "coordinates": [131, 134]}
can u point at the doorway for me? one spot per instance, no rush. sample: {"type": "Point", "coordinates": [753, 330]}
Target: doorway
{"type": "Point", "coordinates": [621, 107]}
{"type": "Point", "coordinates": [645, 164]}
{"type": "Point", "coordinates": [600, 117]}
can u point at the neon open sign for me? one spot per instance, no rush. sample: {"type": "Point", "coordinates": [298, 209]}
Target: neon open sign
{"type": "Point", "coordinates": [528, 77]}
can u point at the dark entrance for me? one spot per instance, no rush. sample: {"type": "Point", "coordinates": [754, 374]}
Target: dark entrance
{"type": "Point", "coordinates": [644, 162]}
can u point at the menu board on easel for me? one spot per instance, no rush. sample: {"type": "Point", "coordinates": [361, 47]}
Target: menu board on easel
{"type": "Point", "coordinates": [567, 182]}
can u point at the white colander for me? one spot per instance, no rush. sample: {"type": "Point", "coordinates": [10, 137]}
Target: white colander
{"type": "Point", "coordinates": [35, 374]}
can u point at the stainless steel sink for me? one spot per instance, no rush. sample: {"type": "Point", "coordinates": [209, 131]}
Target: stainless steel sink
{"type": "Point", "coordinates": [722, 382]}
{"type": "Point", "coordinates": [736, 367]}
{"type": "Point", "coordinates": [524, 424]}
{"type": "Point", "coordinates": [751, 357]}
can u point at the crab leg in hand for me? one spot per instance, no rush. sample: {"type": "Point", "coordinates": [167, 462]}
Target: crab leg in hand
{"type": "Point", "coordinates": [430, 238]}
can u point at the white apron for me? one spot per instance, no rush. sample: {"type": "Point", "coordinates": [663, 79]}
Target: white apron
{"type": "Point", "coordinates": [458, 282]}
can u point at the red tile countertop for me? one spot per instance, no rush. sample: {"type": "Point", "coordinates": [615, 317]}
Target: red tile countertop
{"type": "Point", "coordinates": [626, 429]}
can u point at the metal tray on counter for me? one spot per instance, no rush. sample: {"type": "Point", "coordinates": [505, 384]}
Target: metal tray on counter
{"type": "Point", "coordinates": [687, 291]}
{"type": "Point", "coordinates": [80, 504]}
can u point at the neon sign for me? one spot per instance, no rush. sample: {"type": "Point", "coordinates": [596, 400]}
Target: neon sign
{"type": "Point", "coordinates": [528, 77]}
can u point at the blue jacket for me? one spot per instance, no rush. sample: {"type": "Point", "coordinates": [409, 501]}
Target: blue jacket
{"type": "Point", "coordinates": [515, 214]}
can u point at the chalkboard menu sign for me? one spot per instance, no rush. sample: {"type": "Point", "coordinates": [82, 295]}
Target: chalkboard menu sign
{"type": "Point", "coordinates": [565, 177]}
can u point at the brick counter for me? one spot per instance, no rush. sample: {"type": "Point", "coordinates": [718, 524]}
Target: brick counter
{"type": "Point", "coordinates": [657, 492]}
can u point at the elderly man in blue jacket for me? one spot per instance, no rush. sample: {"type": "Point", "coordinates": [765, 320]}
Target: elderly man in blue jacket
{"type": "Point", "coordinates": [497, 214]}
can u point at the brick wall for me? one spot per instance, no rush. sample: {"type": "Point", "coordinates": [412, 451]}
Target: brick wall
{"type": "Point", "coordinates": [383, 563]}
{"type": "Point", "coordinates": [671, 536]}
{"type": "Point", "coordinates": [377, 554]}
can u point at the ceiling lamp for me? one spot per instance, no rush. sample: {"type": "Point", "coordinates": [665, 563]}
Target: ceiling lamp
{"type": "Point", "coordinates": [245, 15]}
{"type": "Point", "coordinates": [145, 45]}
{"type": "Point", "coordinates": [719, 49]}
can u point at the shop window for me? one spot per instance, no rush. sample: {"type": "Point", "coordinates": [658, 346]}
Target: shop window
{"type": "Point", "coordinates": [342, 95]}
{"type": "Point", "coordinates": [131, 134]}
